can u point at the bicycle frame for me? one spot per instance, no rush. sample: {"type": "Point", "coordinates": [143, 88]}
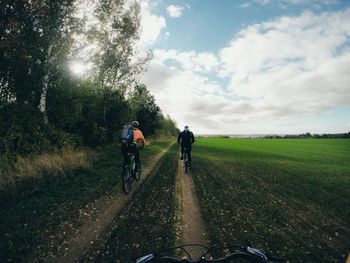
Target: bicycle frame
{"type": "Point", "coordinates": [131, 161]}
{"type": "Point", "coordinates": [131, 172]}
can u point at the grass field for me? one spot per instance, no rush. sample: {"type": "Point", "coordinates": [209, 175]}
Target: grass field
{"type": "Point", "coordinates": [287, 197]}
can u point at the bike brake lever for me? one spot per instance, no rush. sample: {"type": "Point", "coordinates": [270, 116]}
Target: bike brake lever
{"type": "Point", "coordinates": [145, 259]}
{"type": "Point", "coordinates": [257, 253]}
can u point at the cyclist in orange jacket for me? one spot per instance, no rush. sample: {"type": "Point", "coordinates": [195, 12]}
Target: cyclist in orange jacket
{"type": "Point", "coordinates": [139, 140]}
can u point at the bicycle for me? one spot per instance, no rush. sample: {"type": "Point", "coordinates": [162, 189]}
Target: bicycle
{"type": "Point", "coordinates": [247, 254]}
{"type": "Point", "coordinates": [131, 172]}
{"type": "Point", "coordinates": [185, 158]}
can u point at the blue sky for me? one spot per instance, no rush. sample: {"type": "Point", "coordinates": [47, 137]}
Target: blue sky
{"type": "Point", "coordinates": [254, 66]}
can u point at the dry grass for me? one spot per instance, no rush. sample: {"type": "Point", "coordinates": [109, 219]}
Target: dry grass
{"type": "Point", "coordinates": [38, 167]}
{"type": "Point", "coordinates": [155, 139]}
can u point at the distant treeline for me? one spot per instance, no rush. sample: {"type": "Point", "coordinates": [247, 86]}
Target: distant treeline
{"type": "Point", "coordinates": [309, 136]}
{"type": "Point", "coordinates": [275, 136]}
{"type": "Point", "coordinates": [43, 106]}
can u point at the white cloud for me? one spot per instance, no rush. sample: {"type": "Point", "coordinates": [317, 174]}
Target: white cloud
{"type": "Point", "coordinates": [293, 65]}
{"type": "Point", "coordinates": [151, 25]}
{"type": "Point", "coordinates": [182, 93]}
{"type": "Point", "coordinates": [203, 62]}
{"type": "Point", "coordinates": [277, 70]}
{"type": "Point", "coordinates": [262, 2]}
{"type": "Point", "coordinates": [297, 2]}
{"type": "Point", "coordinates": [174, 10]}
{"type": "Point", "coordinates": [245, 5]}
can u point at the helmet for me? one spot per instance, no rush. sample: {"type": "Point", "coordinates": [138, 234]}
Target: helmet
{"type": "Point", "coordinates": [135, 124]}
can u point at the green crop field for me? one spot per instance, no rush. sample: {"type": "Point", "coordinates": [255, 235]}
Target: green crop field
{"type": "Point", "coordinates": [287, 197]}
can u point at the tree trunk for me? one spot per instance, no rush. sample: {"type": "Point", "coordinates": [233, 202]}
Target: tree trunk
{"type": "Point", "coordinates": [42, 105]}
{"type": "Point", "coordinates": [45, 83]}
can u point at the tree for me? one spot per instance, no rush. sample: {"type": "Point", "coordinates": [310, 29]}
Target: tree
{"type": "Point", "coordinates": [35, 37]}
{"type": "Point", "coordinates": [57, 25]}
{"type": "Point", "coordinates": [145, 109]}
{"type": "Point", "coordinates": [167, 128]}
{"type": "Point", "coordinates": [39, 39]}
{"type": "Point", "coordinates": [109, 45]}
{"type": "Point", "coordinates": [34, 45]}
{"type": "Point", "coordinates": [114, 37]}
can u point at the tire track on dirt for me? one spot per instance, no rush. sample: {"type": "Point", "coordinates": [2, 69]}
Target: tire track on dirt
{"type": "Point", "coordinates": [191, 225]}
{"type": "Point", "coordinates": [84, 239]}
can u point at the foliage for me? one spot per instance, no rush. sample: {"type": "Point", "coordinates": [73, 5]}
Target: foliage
{"type": "Point", "coordinates": [35, 39]}
{"type": "Point", "coordinates": [86, 109]}
{"type": "Point", "coordinates": [23, 131]}
{"type": "Point", "coordinates": [287, 197]}
{"type": "Point", "coordinates": [115, 41]}
{"type": "Point", "coordinates": [145, 110]}
{"type": "Point", "coordinates": [167, 128]}
{"type": "Point", "coordinates": [42, 106]}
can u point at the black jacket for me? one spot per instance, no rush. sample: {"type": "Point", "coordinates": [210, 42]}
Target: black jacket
{"type": "Point", "coordinates": [186, 138]}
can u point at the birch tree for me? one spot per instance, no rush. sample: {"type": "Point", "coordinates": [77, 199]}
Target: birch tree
{"type": "Point", "coordinates": [35, 41]}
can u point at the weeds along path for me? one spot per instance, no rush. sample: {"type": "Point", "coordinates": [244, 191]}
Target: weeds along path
{"type": "Point", "coordinates": [82, 240]}
{"type": "Point", "coordinates": [190, 226]}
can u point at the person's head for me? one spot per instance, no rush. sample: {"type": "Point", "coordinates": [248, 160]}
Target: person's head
{"type": "Point", "coordinates": [135, 124]}
{"type": "Point", "coordinates": [187, 128]}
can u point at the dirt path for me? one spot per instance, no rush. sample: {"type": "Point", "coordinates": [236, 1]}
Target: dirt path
{"type": "Point", "coordinates": [83, 239]}
{"type": "Point", "coordinates": [190, 226]}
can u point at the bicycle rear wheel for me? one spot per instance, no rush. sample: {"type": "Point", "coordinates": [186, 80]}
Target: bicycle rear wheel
{"type": "Point", "coordinates": [126, 180]}
{"type": "Point", "coordinates": [138, 171]}
{"type": "Point", "coordinates": [186, 162]}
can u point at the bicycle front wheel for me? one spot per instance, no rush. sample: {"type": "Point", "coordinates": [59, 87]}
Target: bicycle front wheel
{"type": "Point", "coordinates": [126, 180]}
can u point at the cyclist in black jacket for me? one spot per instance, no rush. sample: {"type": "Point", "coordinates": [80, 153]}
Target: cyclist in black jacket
{"type": "Point", "coordinates": [186, 138]}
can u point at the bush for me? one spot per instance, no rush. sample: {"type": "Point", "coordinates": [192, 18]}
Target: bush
{"type": "Point", "coordinates": [64, 141]}
{"type": "Point", "coordinates": [92, 112]}
{"type": "Point", "coordinates": [22, 130]}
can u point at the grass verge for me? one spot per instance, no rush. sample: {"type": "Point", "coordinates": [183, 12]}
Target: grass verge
{"type": "Point", "coordinates": [32, 171]}
{"type": "Point", "coordinates": [39, 216]}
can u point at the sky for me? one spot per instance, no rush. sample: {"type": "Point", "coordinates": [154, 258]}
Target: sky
{"type": "Point", "coordinates": [250, 66]}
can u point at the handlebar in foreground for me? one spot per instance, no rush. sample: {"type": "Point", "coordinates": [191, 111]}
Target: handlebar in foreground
{"type": "Point", "coordinates": [245, 253]}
